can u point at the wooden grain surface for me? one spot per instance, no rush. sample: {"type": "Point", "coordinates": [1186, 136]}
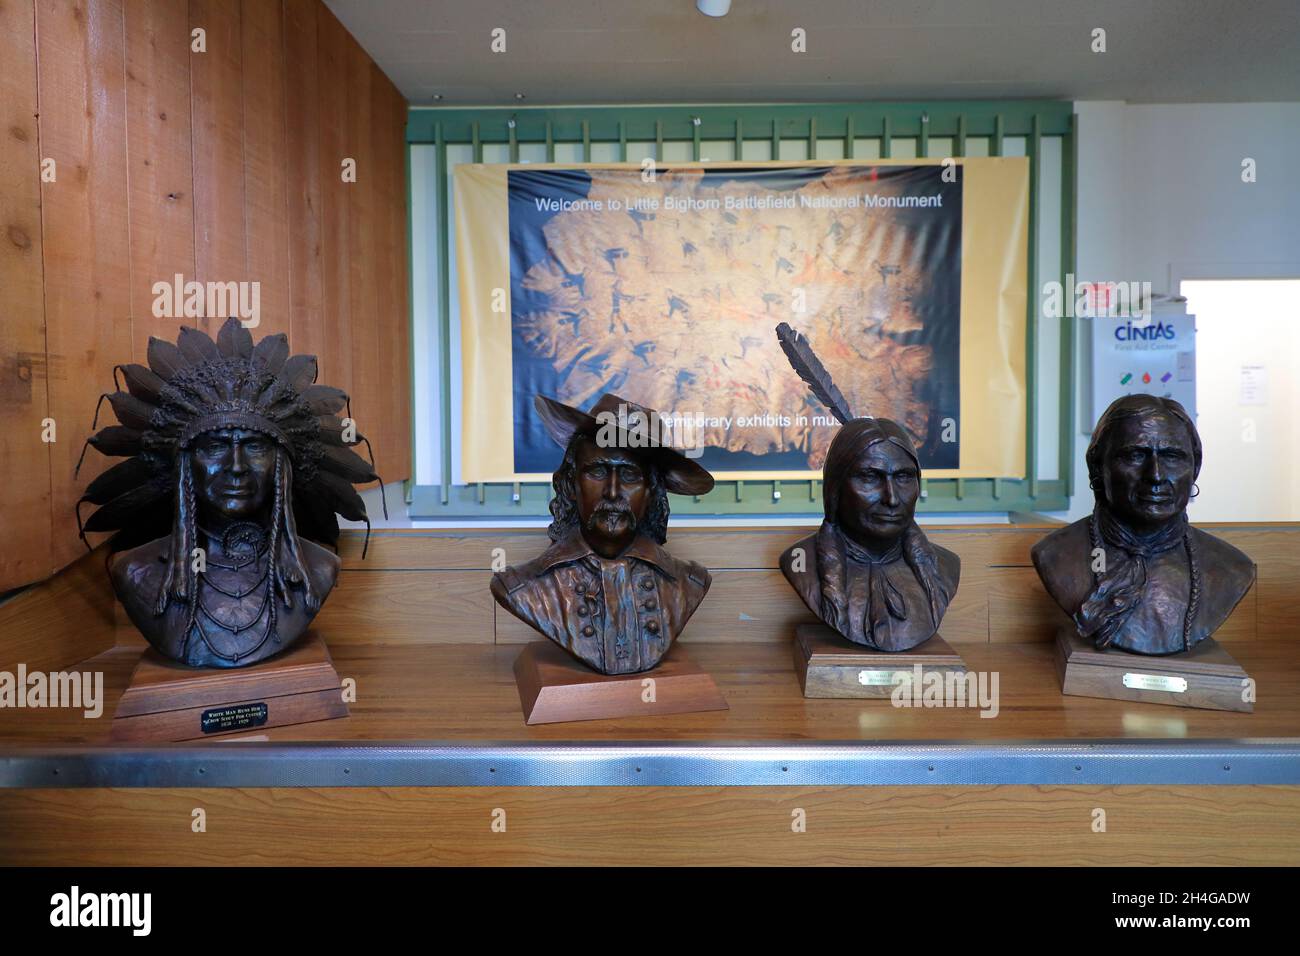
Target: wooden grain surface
{"type": "Point", "coordinates": [468, 692]}
{"type": "Point", "coordinates": [24, 456]}
{"type": "Point", "coordinates": [999, 600]}
{"type": "Point", "coordinates": [616, 826]}
{"type": "Point", "coordinates": [85, 238]}
{"type": "Point", "coordinates": [216, 84]}
{"type": "Point", "coordinates": [267, 170]}
{"type": "Point", "coordinates": [160, 150]}
{"type": "Point", "coordinates": [430, 588]}
{"type": "Point", "coordinates": [220, 165]}
{"type": "Point", "coordinates": [66, 619]}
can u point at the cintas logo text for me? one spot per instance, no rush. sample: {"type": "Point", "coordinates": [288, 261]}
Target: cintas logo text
{"type": "Point", "coordinates": [1128, 332]}
{"type": "Point", "coordinates": [75, 908]}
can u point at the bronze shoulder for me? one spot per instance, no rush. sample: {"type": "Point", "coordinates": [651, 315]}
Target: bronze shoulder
{"type": "Point", "coordinates": [1063, 562]}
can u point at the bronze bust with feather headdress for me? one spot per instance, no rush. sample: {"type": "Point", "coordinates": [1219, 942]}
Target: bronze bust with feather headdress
{"type": "Point", "coordinates": [869, 572]}
{"type": "Point", "coordinates": [236, 465]}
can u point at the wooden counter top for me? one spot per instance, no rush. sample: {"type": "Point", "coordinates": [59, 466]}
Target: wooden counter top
{"type": "Point", "coordinates": [466, 693]}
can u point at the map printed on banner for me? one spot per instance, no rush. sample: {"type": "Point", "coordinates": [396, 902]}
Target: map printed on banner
{"type": "Point", "coordinates": [667, 290]}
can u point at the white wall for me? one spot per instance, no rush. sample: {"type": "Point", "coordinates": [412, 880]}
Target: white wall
{"type": "Point", "coordinates": [1161, 199]}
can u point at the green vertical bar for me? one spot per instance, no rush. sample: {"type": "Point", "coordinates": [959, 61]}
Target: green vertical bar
{"type": "Point", "coordinates": [586, 141]}
{"type": "Point", "coordinates": [884, 138]}
{"type": "Point", "coordinates": [410, 309]}
{"type": "Point", "coordinates": [514, 146]}
{"type": "Point", "coordinates": [476, 144]}
{"type": "Point", "coordinates": [740, 141]}
{"type": "Point", "coordinates": [812, 137]}
{"type": "Point", "coordinates": [776, 138]}
{"type": "Point", "coordinates": [923, 141]}
{"type": "Point", "coordinates": [695, 142]}
{"type": "Point", "coordinates": [550, 144]}
{"type": "Point", "coordinates": [960, 150]}
{"type": "Point", "coordinates": [848, 137]}
{"type": "Point", "coordinates": [1069, 207]}
{"type": "Point", "coordinates": [659, 141]}
{"type": "Point", "coordinates": [622, 142]}
{"type": "Point", "coordinates": [444, 314]}
{"type": "Point", "coordinates": [1031, 317]}
{"type": "Point", "coordinates": [995, 149]}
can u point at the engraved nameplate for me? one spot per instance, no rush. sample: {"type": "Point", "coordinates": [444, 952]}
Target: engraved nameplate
{"type": "Point", "coordinates": [1175, 685]}
{"type": "Point", "coordinates": [222, 719]}
{"type": "Point", "coordinates": [879, 678]}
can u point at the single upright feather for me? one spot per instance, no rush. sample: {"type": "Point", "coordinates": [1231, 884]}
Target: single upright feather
{"type": "Point", "coordinates": [804, 360]}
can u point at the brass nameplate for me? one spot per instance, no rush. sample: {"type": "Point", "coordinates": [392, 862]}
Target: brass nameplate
{"type": "Point", "coordinates": [880, 678]}
{"type": "Point", "coordinates": [1175, 685]}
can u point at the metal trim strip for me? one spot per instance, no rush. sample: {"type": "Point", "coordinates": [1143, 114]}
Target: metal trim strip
{"type": "Point", "coordinates": [635, 763]}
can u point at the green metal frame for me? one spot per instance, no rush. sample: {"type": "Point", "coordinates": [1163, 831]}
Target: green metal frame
{"type": "Point", "coordinates": [958, 120]}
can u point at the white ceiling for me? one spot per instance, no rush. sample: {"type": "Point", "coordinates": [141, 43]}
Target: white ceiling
{"type": "Point", "coordinates": [664, 51]}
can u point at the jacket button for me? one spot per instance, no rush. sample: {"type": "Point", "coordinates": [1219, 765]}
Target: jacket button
{"type": "Point", "coordinates": [647, 584]}
{"type": "Point", "coordinates": [652, 627]}
{"type": "Point", "coordinates": [582, 610]}
{"type": "Point", "coordinates": [650, 605]}
{"type": "Point", "coordinates": [588, 631]}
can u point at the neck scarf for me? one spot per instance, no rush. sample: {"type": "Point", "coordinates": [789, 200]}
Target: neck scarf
{"type": "Point", "coordinates": [1119, 589]}
{"type": "Point", "coordinates": [857, 597]}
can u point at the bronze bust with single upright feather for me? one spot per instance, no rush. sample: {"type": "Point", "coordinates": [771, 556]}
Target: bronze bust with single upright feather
{"type": "Point", "coordinates": [869, 572]}
{"type": "Point", "coordinates": [237, 463]}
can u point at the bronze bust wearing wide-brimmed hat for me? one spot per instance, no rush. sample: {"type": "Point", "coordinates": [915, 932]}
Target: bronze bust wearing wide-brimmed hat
{"type": "Point", "coordinates": [1135, 574]}
{"type": "Point", "coordinates": [606, 590]}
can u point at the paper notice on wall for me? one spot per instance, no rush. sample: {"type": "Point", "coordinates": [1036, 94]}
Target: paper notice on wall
{"type": "Point", "coordinates": [1254, 385]}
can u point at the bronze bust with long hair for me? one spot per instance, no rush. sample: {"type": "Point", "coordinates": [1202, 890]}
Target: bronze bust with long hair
{"type": "Point", "coordinates": [1135, 574]}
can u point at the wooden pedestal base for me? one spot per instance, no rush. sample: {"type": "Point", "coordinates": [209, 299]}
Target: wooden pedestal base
{"type": "Point", "coordinates": [166, 701]}
{"type": "Point", "coordinates": [554, 687]}
{"type": "Point", "coordinates": [1205, 677]}
{"type": "Point", "coordinates": [830, 666]}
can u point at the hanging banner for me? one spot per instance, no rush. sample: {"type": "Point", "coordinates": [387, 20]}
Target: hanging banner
{"type": "Point", "coordinates": [664, 286]}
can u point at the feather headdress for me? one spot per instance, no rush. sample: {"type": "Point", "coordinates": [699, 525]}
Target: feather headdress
{"type": "Point", "coordinates": [197, 386]}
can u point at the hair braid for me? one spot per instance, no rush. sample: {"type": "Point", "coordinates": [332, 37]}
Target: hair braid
{"type": "Point", "coordinates": [1194, 595]}
{"type": "Point", "coordinates": [188, 537]}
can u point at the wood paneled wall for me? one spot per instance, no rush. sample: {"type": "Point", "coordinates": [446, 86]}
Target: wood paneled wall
{"type": "Point", "coordinates": [431, 587]}
{"type": "Point", "coordinates": [223, 165]}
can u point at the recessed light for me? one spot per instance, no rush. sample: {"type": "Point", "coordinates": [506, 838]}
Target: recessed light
{"type": "Point", "coordinates": [713, 8]}
{"type": "Point", "coordinates": [436, 97]}
{"type": "Point", "coordinates": [519, 96]}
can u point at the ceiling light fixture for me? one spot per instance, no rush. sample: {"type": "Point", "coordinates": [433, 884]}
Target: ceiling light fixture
{"type": "Point", "coordinates": [519, 96]}
{"type": "Point", "coordinates": [713, 8]}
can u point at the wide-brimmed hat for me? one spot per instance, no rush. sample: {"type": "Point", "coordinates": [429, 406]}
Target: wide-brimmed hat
{"type": "Point", "coordinates": [681, 475]}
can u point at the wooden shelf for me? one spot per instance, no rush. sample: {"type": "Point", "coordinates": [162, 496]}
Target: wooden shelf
{"type": "Point", "coordinates": [466, 693]}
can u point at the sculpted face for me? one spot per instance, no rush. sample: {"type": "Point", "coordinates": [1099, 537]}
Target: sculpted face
{"type": "Point", "coordinates": [1148, 469]}
{"type": "Point", "coordinates": [233, 471]}
{"type": "Point", "coordinates": [613, 493]}
{"type": "Point", "coordinates": [878, 499]}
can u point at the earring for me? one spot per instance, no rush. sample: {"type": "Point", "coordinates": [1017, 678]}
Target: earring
{"type": "Point", "coordinates": [1196, 489]}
